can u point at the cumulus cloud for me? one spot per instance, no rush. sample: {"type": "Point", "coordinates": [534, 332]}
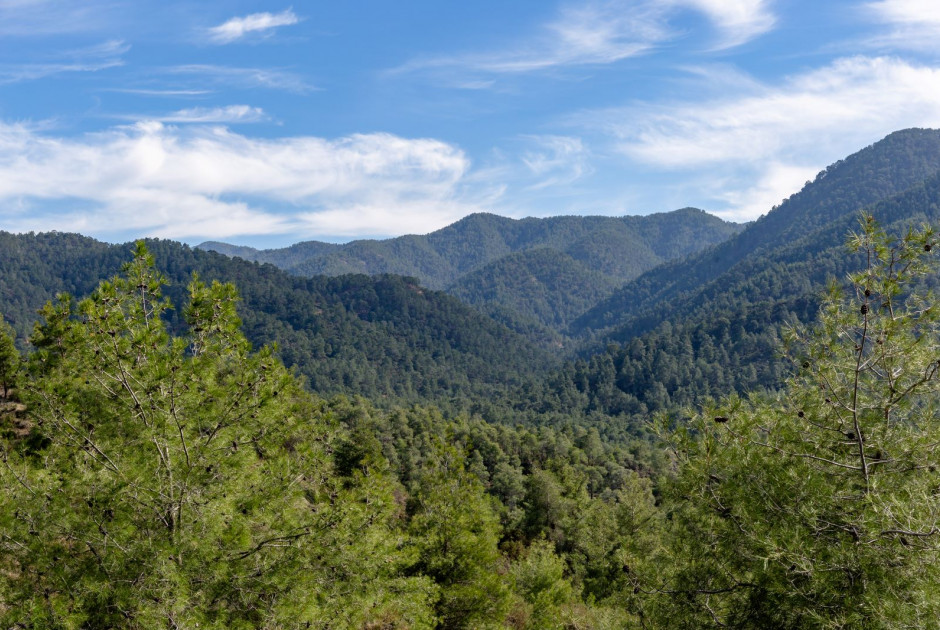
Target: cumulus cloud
{"type": "Point", "coordinates": [238, 27]}
{"type": "Point", "coordinates": [201, 182]}
{"type": "Point", "coordinates": [777, 134]}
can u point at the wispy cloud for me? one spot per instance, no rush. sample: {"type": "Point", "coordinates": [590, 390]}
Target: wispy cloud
{"type": "Point", "coordinates": [247, 78]}
{"type": "Point", "coordinates": [593, 33]}
{"type": "Point", "coordinates": [39, 18]}
{"type": "Point", "coordinates": [230, 114]}
{"type": "Point", "coordinates": [601, 32]}
{"type": "Point", "coordinates": [738, 21]}
{"type": "Point", "coordinates": [169, 93]}
{"type": "Point", "coordinates": [91, 59]}
{"type": "Point", "coordinates": [555, 161]}
{"type": "Point", "coordinates": [777, 134]}
{"type": "Point", "coordinates": [913, 24]}
{"type": "Point", "coordinates": [256, 23]}
{"type": "Point", "coordinates": [201, 182]}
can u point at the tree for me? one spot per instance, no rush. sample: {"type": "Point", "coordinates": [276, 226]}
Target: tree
{"type": "Point", "coordinates": [9, 358]}
{"type": "Point", "coordinates": [184, 481]}
{"type": "Point", "coordinates": [455, 531]}
{"type": "Point", "coordinates": [818, 507]}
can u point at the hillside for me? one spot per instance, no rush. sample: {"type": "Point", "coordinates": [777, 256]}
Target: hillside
{"type": "Point", "coordinates": [472, 258]}
{"type": "Point", "coordinates": [710, 335]}
{"type": "Point", "coordinates": [381, 336]}
{"type": "Point", "coordinates": [440, 258]}
{"type": "Point", "coordinates": [543, 285]}
{"type": "Point", "coordinates": [889, 167]}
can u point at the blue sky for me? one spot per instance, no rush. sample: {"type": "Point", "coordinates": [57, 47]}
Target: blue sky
{"type": "Point", "coordinates": [268, 123]}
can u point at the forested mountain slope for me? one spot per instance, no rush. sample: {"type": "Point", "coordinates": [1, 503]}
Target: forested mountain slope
{"type": "Point", "coordinates": [490, 261]}
{"type": "Point", "coordinates": [724, 335]}
{"type": "Point", "coordinates": [440, 258]}
{"type": "Point", "coordinates": [381, 336]}
{"type": "Point", "coordinates": [891, 166]}
{"type": "Point", "coordinates": [543, 285]}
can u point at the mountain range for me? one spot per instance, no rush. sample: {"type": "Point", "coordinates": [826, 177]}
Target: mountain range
{"type": "Point", "coordinates": [542, 272]}
{"type": "Point", "coordinates": [582, 315]}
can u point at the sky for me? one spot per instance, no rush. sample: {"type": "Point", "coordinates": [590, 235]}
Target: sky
{"type": "Point", "coordinates": [269, 123]}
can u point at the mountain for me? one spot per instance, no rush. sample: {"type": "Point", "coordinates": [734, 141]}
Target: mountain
{"type": "Point", "coordinates": [710, 324]}
{"type": "Point", "coordinates": [889, 167]}
{"type": "Point", "coordinates": [544, 286]}
{"type": "Point", "coordinates": [382, 336]}
{"type": "Point", "coordinates": [472, 257]}
{"type": "Point", "coordinates": [284, 258]}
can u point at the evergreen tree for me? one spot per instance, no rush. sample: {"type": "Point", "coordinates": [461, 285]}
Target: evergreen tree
{"type": "Point", "coordinates": [455, 531]}
{"type": "Point", "coordinates": [818, 508]}
{"type": "Point", "coordinates": [183, 481]}
{"type": "Point", "coordinates": [9, 359]}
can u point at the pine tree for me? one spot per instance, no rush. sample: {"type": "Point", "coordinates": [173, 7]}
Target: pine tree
{"type": "Point", "coordinates": [184, 481]}
{"type": "Point", "coordinates": [9, 359]}
{"type": "Point", "coordinates": [818, 507]}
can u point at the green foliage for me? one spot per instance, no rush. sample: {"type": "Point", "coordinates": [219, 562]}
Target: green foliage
{"type": "Point", "coordinates": [817, 508]}
{"type": "Point", "coordinates": [543, 285]}
{"type": "Point", "coordinates": [456, 532]}
{"type": "Point", "coordinates": [892, 166]}
{"type": "Point", "coordinates": [183, 481]}
{"type": "Point", "coordinates": [381, 337]}
{"type": "Point", "coordinates": [9, 358]}
{"type": "Point", "coordinates": [529, 274]}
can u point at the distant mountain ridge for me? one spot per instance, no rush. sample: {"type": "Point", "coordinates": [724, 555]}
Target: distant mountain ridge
{"type": "Point", "coordinates": [900, 161]}
{"type": "Point", "coordinates": [471, 257]}
{"type": "Point", "coordinates": [381, 336]}
{"type": "Point", "coordinates": [440, 258]}
{"type": "Point", "coordinates": [708, 324]}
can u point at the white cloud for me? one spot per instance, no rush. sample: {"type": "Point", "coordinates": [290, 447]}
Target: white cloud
{"type": "Point", "coordinates": [238, 27]}
{"type": "Point", "coordinates": [852, 100]}
{"type": "Point", "coordinates": [913, 23]}
{"type": "Point", "coordinates": [230, 114]}
{"type": "Point", "coordinates": [739, 21]}
{"type": "Point", "coordinates": [909, 12]}
{"type": "Point", "coordinates": [555, 161]}
{"type": "Point", "coordinates": [92, 59]}
{"type": "Point", "coordinates": [188, 182]}
{"type": "Point", "coordinates": [775, 182]}
{"type": "Point", "coordinates": [775, 135]}
{"type": "Point", "coordinates": [247, 78]}
{"type": "Point", "coordinates": [601, 32]}
{"type": "Point", "coordinates": [592, 33]}
{"type": "Point", "coordinates": [38, 18]}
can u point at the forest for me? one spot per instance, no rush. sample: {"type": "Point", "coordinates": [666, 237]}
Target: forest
{"type": "Point", "coordinates": [743, 437]}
